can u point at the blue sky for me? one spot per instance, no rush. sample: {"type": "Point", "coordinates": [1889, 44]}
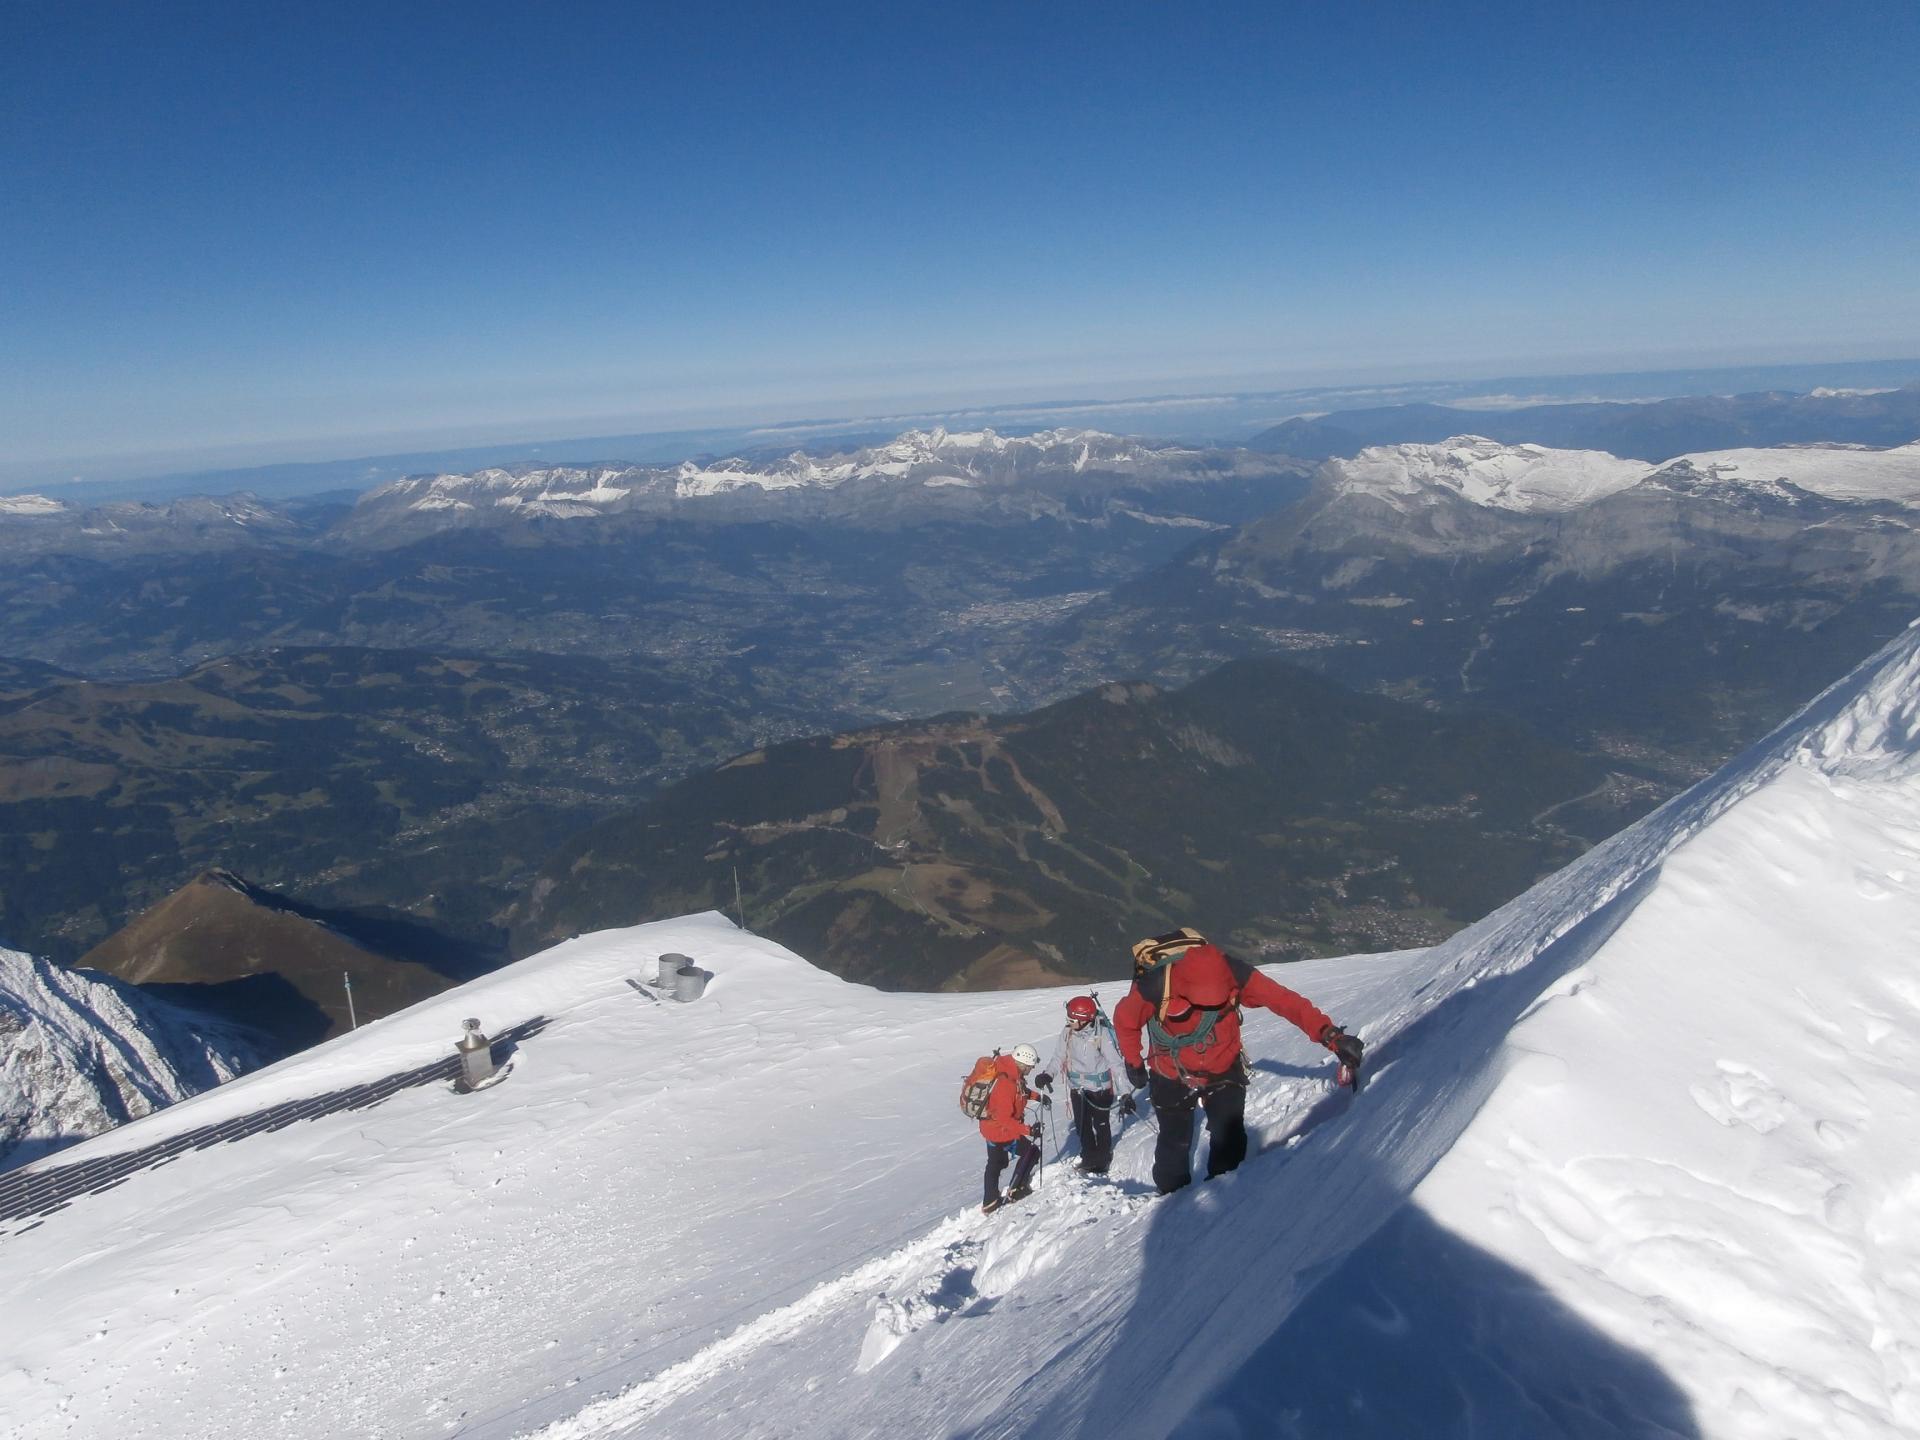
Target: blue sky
{"type": "Point", "coordinates": [244, 225]}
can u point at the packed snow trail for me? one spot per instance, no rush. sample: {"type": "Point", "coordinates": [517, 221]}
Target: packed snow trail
{"type": "Point", "coordinates": [1662, 1105]}
{"type": "Point", "coordinates": [961, 1267]}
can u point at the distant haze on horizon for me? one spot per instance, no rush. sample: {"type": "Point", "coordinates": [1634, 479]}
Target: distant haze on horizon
{"type": "Point", "coordinates": [242, 233]}
{"type": "Point", "coordinates": [1217, 416]}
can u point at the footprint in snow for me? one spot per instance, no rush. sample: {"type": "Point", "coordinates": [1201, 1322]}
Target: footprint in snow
{"type": "Point", "coordinates": [1742, 1095]}
{"type": "Point", "coordinates": [969, 1275]}
{"type": "Point", "coordinates": [933, 1292]}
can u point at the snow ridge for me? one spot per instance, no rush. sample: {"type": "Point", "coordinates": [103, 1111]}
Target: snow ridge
{"type": "Point", "coordinates": [1875, 734]}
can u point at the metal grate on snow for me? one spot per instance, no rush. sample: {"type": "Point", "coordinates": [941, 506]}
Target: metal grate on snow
{"type": "Point", "coordinates": [36, 1191]}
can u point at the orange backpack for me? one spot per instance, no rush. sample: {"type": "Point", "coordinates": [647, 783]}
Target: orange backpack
{"type": "Point", "coordinates": [978, 1085]}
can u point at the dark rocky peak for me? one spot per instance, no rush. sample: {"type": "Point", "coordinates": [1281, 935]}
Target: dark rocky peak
{"type": "Point", "coordinates": [223, 946]}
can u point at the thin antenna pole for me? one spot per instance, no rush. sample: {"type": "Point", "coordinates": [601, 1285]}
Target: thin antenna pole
{"type": "Point", "coordinates": [353, 1021]}
{"type": "Point", "coordinates": [739, 906]}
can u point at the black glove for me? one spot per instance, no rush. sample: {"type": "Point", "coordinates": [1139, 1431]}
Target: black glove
{"type": "Point", "coordinates": [1043, 1081]}
{"type": "Point", "coordinates": [1136, 1075]}
{"type": "Point", "coordinates": [1348, 1049]}
{"type": "Point", "coordinates": [1127, 1107]}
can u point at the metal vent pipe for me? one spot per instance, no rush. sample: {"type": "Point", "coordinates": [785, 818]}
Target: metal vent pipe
{"type": "Point", "coordinates": [476, 1056]}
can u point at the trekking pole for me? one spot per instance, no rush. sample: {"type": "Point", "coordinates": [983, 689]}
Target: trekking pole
{"type": "Point", "coordinates": [1040, 1143]}
{"type": "Point", "coordinates": [1046, 1124]}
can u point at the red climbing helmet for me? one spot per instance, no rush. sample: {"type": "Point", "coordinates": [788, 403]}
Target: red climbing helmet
{"type": "Point", "coordinates": [1080, 1010]}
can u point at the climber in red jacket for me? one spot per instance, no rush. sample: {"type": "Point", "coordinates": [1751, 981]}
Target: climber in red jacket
{"type": "Point", "coordinates": [1186, 997]}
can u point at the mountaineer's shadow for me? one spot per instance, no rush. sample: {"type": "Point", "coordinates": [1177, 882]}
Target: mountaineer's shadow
{"type": "Point", "coordinates": [1421, 1332]}
{"type": "Point", "coordinates": [1286, 1071]}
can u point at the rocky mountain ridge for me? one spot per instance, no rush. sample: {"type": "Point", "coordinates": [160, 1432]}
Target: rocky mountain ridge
{"type": "Point", "coordinates": [221, 946]}
{"type": "Point", "coordinates": [36, 525]}
{"type": "Point", "coordinates": [83, 1053]}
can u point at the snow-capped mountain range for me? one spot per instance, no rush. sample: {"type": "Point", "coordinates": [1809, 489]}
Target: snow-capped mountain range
{"type": "Point", "coordinates": [926, 467]}
{"type": "Point", "coordinates": [81, 1053]}
{"type": "Point", "coordinates": [1525, 478]}
{"type": "Point", "coordinates": [924, 474]}
{"type": "Point", "coordinates": [1634, 1158]}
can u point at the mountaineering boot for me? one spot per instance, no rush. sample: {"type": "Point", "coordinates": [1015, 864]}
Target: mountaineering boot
{"type": "Point", "coordinates": [1019, 1192]}
{"type": "Point", "coordinates": [994, 1204]}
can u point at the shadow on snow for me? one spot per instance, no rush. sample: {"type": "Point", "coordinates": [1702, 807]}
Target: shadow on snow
{"type": "Point", "coordinates": [1421, 1332]}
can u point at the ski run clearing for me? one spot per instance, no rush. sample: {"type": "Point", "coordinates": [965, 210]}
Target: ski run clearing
{"type": "Point", "coordinates": [1635, 1157]}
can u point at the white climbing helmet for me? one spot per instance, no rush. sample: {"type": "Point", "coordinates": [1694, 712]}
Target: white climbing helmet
{"type": "Point", "coordinates": [1025, 1056]}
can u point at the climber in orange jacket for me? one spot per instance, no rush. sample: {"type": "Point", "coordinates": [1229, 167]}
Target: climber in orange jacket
{"type": "Point", "coordinates": [1005, 1129]}
{"type": "Point", "coordinates": [1186, 998]}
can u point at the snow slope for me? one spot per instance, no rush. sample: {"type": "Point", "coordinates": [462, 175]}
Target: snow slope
{"type": "Point", "coordinates": [1535, 479]}
{"type": "Point", "coordinates": [1635, 1158]}
{"type": "Point", "coordinates": [81, 1053]}
{"type": "Point", "coordinates": [1840, 472]}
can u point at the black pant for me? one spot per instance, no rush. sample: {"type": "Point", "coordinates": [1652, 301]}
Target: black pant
{"type": "Point", "coordinates": [1024, 1154]}
{"type": "Point", "coordinates": [1224, 1098]}
{"type": "Point", "coordinates": [1092, 1118]}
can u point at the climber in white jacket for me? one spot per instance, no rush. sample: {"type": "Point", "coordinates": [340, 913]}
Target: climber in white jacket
{"type": "Point", "coordinates": [1089, 1058]}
